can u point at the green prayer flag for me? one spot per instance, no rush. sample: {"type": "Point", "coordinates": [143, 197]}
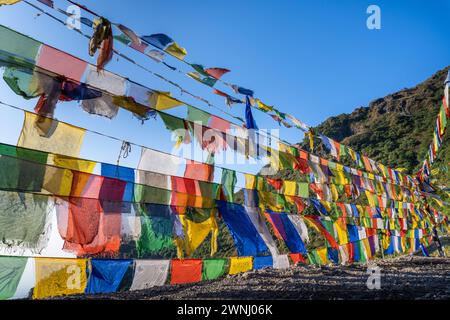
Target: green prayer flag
{"type": "Point", "coordinates": [175, 125]}
{"type": "Point", "coordinates": [24, 220]}
{"type": "Point", "coordinates": [213, 268]}
{"type": "Point", "coordinates": [123, 39]}
{"type": "Point", "coordinates": [303, 189]}
{"type": "Point", "coordinates": [209, 190]}
{"type": "Point", "coordinates": [197, 115]}
{"type": "Point", "coordinates": [312, 258]}
{"type": "Point", "coordinates": [172, 123]}
{"type": "Point", "coordinates": [21, 169]}
{"type": "Point", "coordinates": [19, 82]}
{"type": "Point", "coordinates": [11, 270]}
{"type": "Point", "coordinates": [443, 118]}
{"type": "Point", "coordinates": [149, 194]}
{"type": "Point", "coordinates": [228, 183]}
{"type": "Point", "coordinates": [156, 232]}
{"type": "Point", "coordinates": [17, 48]}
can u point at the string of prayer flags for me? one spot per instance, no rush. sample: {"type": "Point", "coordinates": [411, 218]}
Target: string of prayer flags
{"type": "Point", "coordinates": [164, 42]}
{"type": "Point", "coordinates": [205, 143]}
{"type": "Point", "coordinates": [263, 107]}
{"type": "Point", "coordinates": [438, 134]}
{"type": "Point", "coordinates": [446, 95]}
{"type": "Point", "coordinates": [209, 81]}
{"type": "Point", "coordinates": [243, 91]}
{"type": "Point", "coordinates": [229, 100]}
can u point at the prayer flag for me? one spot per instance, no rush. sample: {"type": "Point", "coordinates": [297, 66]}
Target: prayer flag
{"type": "Point", "coordinates": [186, 271]}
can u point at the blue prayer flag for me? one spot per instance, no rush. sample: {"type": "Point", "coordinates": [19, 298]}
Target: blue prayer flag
{"type": "Point", "coordinates": [246, 238]}
{"type": "Point", "coordinates": [262, 262]}
{"type": "Point", "coordinates": [105, 276]}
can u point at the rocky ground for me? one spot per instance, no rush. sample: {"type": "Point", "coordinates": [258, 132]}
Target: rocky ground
{"type": "Point", "coordinates": [401, 278]}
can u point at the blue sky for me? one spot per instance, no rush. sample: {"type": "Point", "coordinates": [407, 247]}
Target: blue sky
{"type": "Point", "coordinates": [313, 59]}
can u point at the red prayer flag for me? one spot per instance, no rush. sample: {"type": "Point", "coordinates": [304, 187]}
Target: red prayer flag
{"type": "Point", "coordinates": [297, 258]}
{"type": "Point", "coordinates": [186, 271]}
{"type": "Point", "coordinates": [216, 72]}
{"type": "Point", "coordinates": [61, 63]}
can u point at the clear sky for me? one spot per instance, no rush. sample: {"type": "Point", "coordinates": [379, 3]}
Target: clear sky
{"type": "Point", "coordinates": [313, 59]}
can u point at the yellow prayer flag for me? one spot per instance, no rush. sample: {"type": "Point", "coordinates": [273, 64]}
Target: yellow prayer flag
{"type": "Point", "coordinates": [177, 51]}
{"type": "Point", "coordinates": [370, 198]}
{"type": "Point", "coordinates": [50, 135]}
{"type": "Point", "coordinates": [163, 101]}
{"type": "Point", "coordinates": [290, 188]}
{"type": "Point", "coordinates": [58, 181]}
{"type": "Point", "coordinates": [131, 105]}
{"type": "Point", "coordinates": [367, 247]}
{"type": "Point", "coordinates": [196, 232]}
{"type": "Point", "coordinates": [8, 2]}
{"type": "Point", "coordinates": [434, 171]}
{"type": "Point", "coordinates": [270, 200]}
{"type": "Point", "coordinates": [386, 240]}
{"type": "Point", "coordinates": [439, 203]}
{"type": "Point", "coordinates": [352, 154]}
{"type": "Point", "coordinates": [334, 192]}
{"type": "Point", "coordinates": [72, 163]}
{"type": "Point", "coordinates": [263, 106]}
{"type": "Point", "coordinates": [58, 277]}
{"type": "Point", "coordinates": [240, 264]}
{"type": "Point", "coordinates": [322, 254]}
{"type": "Point", "coordinates": [341, 231]}
{"type": "Point", "coordinates": [250, 181]}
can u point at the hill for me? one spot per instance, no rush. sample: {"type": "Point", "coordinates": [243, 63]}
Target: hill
{"type": "Point", "coordinates": [395, 130]}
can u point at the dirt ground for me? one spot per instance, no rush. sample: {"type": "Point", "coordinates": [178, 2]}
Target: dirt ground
{"type": "Point", "coordinates": [409, 277]}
